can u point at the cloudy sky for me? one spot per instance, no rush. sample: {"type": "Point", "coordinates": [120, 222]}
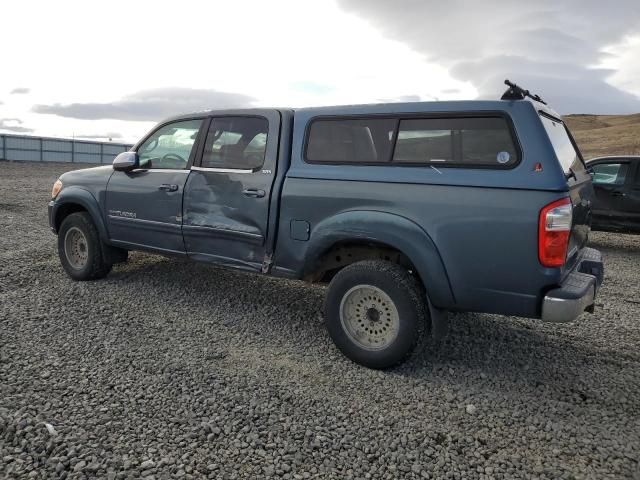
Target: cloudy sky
{"type": "Point", "coordinates": [113, 69]}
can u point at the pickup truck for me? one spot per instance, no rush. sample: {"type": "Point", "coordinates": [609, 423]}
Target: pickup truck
{"type": "Point", "coordinates": [407, 210]}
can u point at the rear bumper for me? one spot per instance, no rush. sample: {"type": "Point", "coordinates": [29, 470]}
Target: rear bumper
{"type": "Point", "coordinates": [577, 292]}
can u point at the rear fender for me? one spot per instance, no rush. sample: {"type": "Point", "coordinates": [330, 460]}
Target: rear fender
{"type": "Point", "coordinates": [390, 229]}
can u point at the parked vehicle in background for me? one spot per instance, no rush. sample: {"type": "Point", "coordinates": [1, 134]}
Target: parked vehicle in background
{"type": "Point", "coordinates": [616, 181]}
{"type": "Point", "coordinates": [408, 210]}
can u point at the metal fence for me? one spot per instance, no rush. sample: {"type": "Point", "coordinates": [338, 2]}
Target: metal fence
{"type": "Point", "coordinates": [45, 149]}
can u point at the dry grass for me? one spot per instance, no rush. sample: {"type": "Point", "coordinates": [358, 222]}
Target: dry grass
{"type": "Point", "coordinates": [599, 135]}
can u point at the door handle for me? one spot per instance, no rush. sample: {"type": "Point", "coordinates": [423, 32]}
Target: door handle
{"type": "Point", "coordinates": [618, 194]}
{"type": "Point", "coordinates": [254, 192]}
{"type": "Point", "coordinates": [166, 187]}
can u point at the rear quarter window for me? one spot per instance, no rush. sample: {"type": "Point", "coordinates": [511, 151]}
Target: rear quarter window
{"type": "Point", "coordinates": [563, 145]}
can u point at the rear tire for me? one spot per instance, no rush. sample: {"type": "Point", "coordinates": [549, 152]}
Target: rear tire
{"type": "Point", "coordinates": [375, 313]}
{"type": "Point", "coordinates": [82, 253]}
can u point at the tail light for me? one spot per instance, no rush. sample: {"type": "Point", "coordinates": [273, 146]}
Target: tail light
{"type": "Point", "coordinates": [553, 233]}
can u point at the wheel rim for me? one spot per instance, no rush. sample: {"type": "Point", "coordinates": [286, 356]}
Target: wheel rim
{"type": "Point", "coordinates": [369, 317]}
{"type": "Point", "coordinates": [76, 248]}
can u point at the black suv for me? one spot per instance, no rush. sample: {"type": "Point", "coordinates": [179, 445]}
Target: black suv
{"type": "Point", "coordinates": [616, 181]}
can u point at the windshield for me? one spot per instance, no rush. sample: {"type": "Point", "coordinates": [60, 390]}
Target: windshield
{"type": "Point", "coordinates": [562, 144]}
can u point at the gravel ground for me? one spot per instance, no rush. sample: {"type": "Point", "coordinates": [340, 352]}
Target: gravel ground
{"type": "Point", "coordinates": [167, 369]}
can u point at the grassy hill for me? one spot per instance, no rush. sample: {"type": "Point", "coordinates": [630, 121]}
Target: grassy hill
{"type": "Point", "coordinates": [599, 135]}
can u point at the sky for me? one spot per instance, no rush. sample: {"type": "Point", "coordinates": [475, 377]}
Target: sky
{"type": "Point", "coordinates": [111, 70]}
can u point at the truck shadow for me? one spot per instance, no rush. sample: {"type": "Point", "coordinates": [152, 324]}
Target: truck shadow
{"type": "Point", "coordinates": [563, 362]}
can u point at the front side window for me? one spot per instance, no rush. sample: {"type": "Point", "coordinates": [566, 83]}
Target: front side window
{"type": "Point", "coordinates": [237, 143]}
{"type": "Point", "coordinates": [609, 173]}
{"type": "Point", "coordinates": [170, 146]}
{"type": "Point", "coordinates": [470, 141]}
{"type": "Point", "coordinates": [362, 140]}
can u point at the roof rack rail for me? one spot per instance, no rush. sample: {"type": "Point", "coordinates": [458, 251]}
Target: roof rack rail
{"type": "Point", "coordinates": [515, 92]}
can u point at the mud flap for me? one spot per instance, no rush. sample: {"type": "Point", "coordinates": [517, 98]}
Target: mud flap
{"type": "Point", "coordinates": [439, 322]}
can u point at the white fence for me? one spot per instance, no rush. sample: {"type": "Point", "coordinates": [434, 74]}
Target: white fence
{"type": "Point", "coordinates": [45, 149]}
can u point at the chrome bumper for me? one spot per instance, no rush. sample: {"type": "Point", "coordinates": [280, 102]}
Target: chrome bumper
{"type": "Point", "coordinates": [577, 292]}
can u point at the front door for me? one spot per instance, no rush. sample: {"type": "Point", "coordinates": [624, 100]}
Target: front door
{"type": "Point", "coordinates": [227, 196]}
{"type": "Point", "coordinates": [609, 184]}
{"type": "Point", "coordinates": [630, 201]}
{"type": "Point", "coordinates": [144, 206]}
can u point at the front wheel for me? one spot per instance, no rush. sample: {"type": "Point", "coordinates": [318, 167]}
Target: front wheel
{"type": "Point", "coordinates": [80, 250]}
{"type": "Point", "coordinates": [375, 313]}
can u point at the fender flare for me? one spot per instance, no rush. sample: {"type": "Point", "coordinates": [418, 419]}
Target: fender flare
{"type": "Point", "coordinates": [84, 198]}
{"type": "Point", "coordinates": [390, 229]}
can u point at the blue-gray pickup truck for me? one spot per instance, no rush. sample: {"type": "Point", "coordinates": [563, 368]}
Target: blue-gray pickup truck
{"type": "Point", "coordinates": [407, 210]}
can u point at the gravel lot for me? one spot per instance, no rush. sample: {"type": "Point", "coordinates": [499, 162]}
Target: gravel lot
{"type": "Point", "coordinates": [167, 369]}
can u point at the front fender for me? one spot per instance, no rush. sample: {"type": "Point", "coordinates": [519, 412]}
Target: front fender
{"type": "Point", "coordinates": [393, 230]}
{"type": "Point", "coordinates": [74, 195]}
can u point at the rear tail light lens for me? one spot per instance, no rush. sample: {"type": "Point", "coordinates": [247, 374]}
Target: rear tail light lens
{"type": "Point", "coordinates": [553, 233]}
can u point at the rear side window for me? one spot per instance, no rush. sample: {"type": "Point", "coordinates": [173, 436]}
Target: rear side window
{"type": "Point", "coordinates": [563, 146]}
{"type": "Point", "coordinates": [459, 141]}
{"type": "Point", "coordinates": [362, 140]}
{"type": "Point", "coordinates": [472, 141]}
{"type": "Point", "coordinates": [237, 143]}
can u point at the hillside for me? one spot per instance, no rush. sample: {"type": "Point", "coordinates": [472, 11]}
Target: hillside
{"type": "Point", "coordinates": [599, 135]}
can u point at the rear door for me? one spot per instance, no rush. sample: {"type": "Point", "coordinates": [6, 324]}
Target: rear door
{"type": "Point", "coordinates": [610, 180]}
{"type": "Point", "coordinates": [578, 181]}
{"type": "Point", "coordinates": [227, 196]}
{"type": "Point", "coordinates": [144, 206]}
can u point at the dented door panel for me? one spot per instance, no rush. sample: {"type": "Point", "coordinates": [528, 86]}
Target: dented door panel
{"type": "Point", "coordinates": [226, 210]}
{"type": "Point", "coordinates": [219, 222]}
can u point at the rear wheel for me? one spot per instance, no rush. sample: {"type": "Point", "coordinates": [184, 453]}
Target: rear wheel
{"type": "Point", "coordinates": [82, 254]}
{"type": "Point", "coordinates": [375, 313]}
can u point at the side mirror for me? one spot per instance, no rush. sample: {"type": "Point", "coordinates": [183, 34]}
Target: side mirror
{"type": "Point", "coordinates": [126, 161]}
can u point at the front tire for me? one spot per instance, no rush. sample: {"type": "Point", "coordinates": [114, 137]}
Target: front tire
{"type": "Point", "coordinates": [80, 249]}
{"type": "Point", "coordinates": [375, 313]}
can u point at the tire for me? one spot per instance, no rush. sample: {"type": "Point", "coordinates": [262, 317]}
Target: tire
{"type": "Point", "coordinates": [375, 312]}
{"type": "Point", "coordinates": [82, 253]}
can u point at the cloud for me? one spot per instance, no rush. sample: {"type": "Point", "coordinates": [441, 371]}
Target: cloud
{"type": "Point", "coordinates": [401, 98]}
{"type": "Point", "coordinates": [312, 87]}
{"type": "Point", "coordinates": [150, 105]}
{"type": "Point", "coordinates": [20, 91]}
{"type": "Point", "coordinates": [13, 125]}
{"type": "Point", "coordinates": [546, 46]}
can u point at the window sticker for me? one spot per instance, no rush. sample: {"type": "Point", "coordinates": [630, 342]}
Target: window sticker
{"type": "Point", "coordinates": [503, 157]}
